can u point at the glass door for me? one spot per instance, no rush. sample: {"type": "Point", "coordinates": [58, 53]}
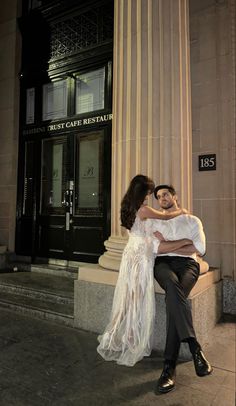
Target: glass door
{"type": "Point", "coordinates": [74, 197]}
{"type": "Point", "coordinates": [53, 176]}
{"type": "Point", "coordinates": [89, 203]}
{"type": "Point", "coordinates": [53, 196]}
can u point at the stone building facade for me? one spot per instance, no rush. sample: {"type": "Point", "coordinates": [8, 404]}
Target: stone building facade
{"type": "Point", "coordinates": [173, 109]}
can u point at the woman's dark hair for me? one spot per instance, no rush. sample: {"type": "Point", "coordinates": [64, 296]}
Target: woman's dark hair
{"type": "Point", "coordinates": [138, 189]}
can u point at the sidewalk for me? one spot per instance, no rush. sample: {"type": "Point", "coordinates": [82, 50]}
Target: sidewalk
{"type": "Point", "coordinates": [46, 364]}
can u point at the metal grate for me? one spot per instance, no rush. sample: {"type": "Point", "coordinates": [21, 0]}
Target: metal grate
{"type": "Point", "coordinates": [81, 32]}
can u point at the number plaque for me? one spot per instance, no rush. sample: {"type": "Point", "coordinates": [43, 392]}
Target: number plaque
{"type": "Point", "coordinates": [207, 162]}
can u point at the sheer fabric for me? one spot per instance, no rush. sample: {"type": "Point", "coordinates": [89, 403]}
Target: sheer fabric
{"type": "Point", "coordinates": [128, 336]}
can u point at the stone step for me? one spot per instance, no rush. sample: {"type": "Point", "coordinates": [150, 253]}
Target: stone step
{"type": "Point", "coordinates": [47, 266]}
{"type": "Point", "coordinates": [36, 282]}
{"type": "Point", "coordinates": [57, 313]}
{"type": "Point", "coordinates": [45, 296]}
{"type": "Point", "coordinates": [56, 270]}
{"type": "Point", "coordinates": [36, 294]}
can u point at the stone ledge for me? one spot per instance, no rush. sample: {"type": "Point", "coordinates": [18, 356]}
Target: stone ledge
{"type": "Point", "coordinates": [94, 292]}
{"type": "Point", "coordinates": [93, 303]}
{"type": "Point", "coordinates": [96, 274]}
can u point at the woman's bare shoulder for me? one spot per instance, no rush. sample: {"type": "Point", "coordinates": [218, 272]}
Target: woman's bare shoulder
{"type": "Point", "coordinates": [145, 212]}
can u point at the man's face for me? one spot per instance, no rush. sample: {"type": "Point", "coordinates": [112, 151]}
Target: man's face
{"type": "Point", "coordinates": [165, 199]}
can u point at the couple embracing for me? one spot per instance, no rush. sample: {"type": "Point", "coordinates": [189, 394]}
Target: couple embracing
{"type": "Point", "coordinates": [166, 240]}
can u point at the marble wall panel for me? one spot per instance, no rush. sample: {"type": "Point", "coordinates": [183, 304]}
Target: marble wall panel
{"type": "Point", "coordinates": [207, 93]}
{"type": "Point", "coordinates": [213, 95]}
{"type": "Point", "coordinates": [207, 35]}
{"type": "Point", "coordinates": [205, 183]}
{"type": "Point", "coordinates": [200, 5]}
{"type": "Point", "coordinates": [208, 126]}
{"type": "Point", "coordinates": [4, 222]}
{"type": "Point", "coordinates": [7, 27]}
{"type": "Point", "coordinates": [7, 94]}
{"type": "Point", "coordinates": [4, 236]}
{"type": "Point", "coordinates": [7, 55]}
{"type": "Point", "coordinates": [6, 193]}
{"type": "Point", "coordinates": [197, 208]}
{"type": "Point", "coordinates": [226, 139]}
{"type": "Point", "coordinates": [9, 10]}
{"type": "Point", "coordinates": [223, 35]}
{"type": "Point", "coordinates": [6, 173]}
{"type": "Point", "coordinates": [194, 53]}
{"type": "Point", "coordinates": [195, 120]}
{"type": "Point", "coordinates": [218, 219]}
{"type": "Point", "coordinates": [4, 209]}
{"type": "Point", "coordinates": [210, 216]}
{"type": "Point", "coordinates": [213, 254]}
{"type": "Point", "coordinates": [6, 145]}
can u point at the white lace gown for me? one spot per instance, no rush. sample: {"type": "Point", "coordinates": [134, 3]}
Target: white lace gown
{"type": "Point", "coordinates": [128, 336]}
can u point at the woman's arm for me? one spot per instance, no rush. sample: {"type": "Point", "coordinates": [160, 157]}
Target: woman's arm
{"type": "Point", "coordinates": [148, 212]}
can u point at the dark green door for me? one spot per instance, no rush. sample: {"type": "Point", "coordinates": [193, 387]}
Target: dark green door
{"type": "Point", "coordinates": [74, 210]}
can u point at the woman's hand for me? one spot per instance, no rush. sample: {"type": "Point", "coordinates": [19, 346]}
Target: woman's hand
{"type": "Point", "coordinates": [159, 236]}
{"type": "Point", "coordinates": [184, 211]}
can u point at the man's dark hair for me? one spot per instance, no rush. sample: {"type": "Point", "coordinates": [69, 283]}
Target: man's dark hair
{"type": "Point", "coordinates": [168, 187]}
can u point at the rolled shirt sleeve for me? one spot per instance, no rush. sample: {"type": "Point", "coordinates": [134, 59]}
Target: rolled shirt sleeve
{"type": "Point", "coordinates": [155, 244]}
{"type": "Point", "coordinates": [154, 240]}
{"type": "Point", "coordinates": [198, 236]}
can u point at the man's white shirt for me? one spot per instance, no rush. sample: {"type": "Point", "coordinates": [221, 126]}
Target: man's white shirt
{"type": "Point", "coordinates": [183, 226]}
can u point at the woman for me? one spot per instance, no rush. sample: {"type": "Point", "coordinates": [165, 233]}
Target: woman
{"type": "Point", "coordinates": [128, 335]}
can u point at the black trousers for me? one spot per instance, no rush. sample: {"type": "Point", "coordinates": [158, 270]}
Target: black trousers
{"type": "Point", "coordinates": [177, 276]}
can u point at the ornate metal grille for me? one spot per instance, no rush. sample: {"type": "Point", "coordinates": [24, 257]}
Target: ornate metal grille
{"type": "Point", "coordinates": [78, 33]}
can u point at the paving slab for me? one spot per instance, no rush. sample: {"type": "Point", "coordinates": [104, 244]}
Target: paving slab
{"type": "Point", "coordinates": [45, 364]}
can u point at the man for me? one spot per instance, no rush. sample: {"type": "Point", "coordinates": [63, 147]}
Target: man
{"type": "Point", "coordinates": [177, 270]}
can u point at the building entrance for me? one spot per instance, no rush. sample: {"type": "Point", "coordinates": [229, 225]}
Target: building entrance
{"type": "Point", "coordinates": [63, 198]}
{"type": "Point", "coordinates": [66, 196]}
{"type": "Point", "coordinates": [72, 203]}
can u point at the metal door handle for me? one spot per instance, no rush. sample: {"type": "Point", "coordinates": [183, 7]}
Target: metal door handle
{"type": "Point", "coordinates": [67, 221]}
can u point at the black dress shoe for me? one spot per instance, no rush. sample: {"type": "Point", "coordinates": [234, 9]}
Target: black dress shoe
{"type": "Point", "coordinates": [202, 366]}
{"type": "Point", "coordinates": [166, 382]}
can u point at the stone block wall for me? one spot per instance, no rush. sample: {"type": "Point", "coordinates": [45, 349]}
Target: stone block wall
{"type": "Point", "coordinates": [212, 36]}
{"type": "Point", "coordinates": [9, 119]}
{"type": "Point", "coordinates": [93, 303]}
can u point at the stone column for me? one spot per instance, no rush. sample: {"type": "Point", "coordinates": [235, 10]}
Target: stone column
{"type": "Point", "coordinates": [151, 104]}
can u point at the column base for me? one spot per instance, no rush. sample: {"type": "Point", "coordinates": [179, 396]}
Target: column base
{"type": "Point", "coordinates": [112, 257]}
{"type": "Point", "coordinates": [115, 246]}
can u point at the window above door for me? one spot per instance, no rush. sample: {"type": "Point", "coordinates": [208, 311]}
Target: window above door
{"type": "Point", "coordinates": [78, 94]}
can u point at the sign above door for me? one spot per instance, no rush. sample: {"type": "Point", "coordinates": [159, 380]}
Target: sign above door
{"type": "Point", "coordinates": [69, 124]}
